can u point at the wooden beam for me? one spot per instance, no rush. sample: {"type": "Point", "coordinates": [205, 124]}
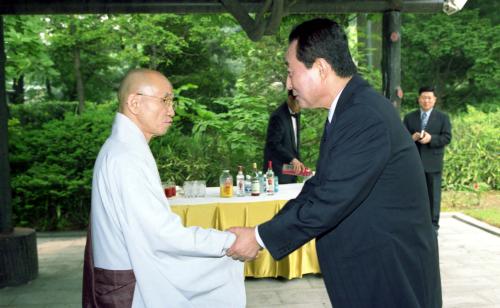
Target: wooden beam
{"type": "Point", "coordinates": [212, 6]}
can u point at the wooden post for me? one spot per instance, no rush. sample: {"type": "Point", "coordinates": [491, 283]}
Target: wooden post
{"type": "Point", "coordinates": [391, 57]}
{"type": "Point", "coordinates": [18, 254]}
{"type": "Point", "coordinates": [5, 193]}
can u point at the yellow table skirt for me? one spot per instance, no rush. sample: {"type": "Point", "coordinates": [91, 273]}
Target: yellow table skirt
{"type": "Point", "coordinates": [224, 215]}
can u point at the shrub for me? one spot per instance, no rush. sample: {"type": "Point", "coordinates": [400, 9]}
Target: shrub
{"type": "Point", "coordinates": [52, 168]}
{"type": "Point", "coordinates": [52, 161]}
{"type": "Point", "coordinates": [472, 157]}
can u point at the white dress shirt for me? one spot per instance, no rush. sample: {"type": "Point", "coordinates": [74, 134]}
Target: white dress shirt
{"type": "Point", "coordinates": [294, 125]}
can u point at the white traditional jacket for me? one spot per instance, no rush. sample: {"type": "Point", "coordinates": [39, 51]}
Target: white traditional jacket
{"type": "Point", "coordinates": [134, 228]}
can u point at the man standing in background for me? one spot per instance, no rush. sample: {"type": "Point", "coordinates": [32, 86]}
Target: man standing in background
{"type": "Point", "coordinates": [431, 131]}
{"type": "Point", "coordinates": [283, 140]}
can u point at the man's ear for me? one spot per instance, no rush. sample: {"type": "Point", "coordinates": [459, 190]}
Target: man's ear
{"type": "Point", "coordinates": [132, 104]}
{"type": "Point", "coordinates": [323, 67]}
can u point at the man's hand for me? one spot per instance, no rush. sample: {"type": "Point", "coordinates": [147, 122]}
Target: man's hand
{"type": "Point", "coordinates": [415, 136]}
{"type": "Point", "coordinates": [426, 138]}
{"type": "Point", "coordinates": [298, 167]}
{"type": "Point", "coordinates": [245, 248]}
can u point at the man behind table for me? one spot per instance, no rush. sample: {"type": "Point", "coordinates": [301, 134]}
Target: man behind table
{"type": "Point", "coordinates": [283, 140]}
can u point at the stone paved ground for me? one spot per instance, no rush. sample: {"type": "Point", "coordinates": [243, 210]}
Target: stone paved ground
{"type": "Point", "coordinates": [470, 270]}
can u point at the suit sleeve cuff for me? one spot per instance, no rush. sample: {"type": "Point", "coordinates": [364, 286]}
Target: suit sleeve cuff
{"type": "Point", "coordinates": [257, 237]}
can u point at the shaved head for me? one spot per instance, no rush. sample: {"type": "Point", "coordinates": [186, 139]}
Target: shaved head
{"type": "Point", "coordinates": [137, 81]}
{"type": "Point", "coordinates": [145, 97]}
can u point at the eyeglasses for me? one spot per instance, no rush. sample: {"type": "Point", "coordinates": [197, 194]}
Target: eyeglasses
{"type": "Point", "coordinates": [168, 100]}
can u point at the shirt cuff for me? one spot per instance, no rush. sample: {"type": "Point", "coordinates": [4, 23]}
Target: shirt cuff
{"type": "Point", "coordinates": [257, 237]}
{"type": "Point", "coordinates": [230, 239]}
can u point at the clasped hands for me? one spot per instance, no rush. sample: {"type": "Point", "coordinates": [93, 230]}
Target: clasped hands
{"type": "Point", "coordinates": [422, 138]}
{"type": "Point", "coordinates": [245, 247]}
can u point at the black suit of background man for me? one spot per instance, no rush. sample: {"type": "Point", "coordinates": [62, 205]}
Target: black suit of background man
{"type": "Point", "coordinates": [281, 147]}
{"type": "Point", "coordinates": [430, 145]}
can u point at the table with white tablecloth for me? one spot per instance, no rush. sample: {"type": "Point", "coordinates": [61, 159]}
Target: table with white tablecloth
{"type": "Point", "coordinates": [213, 211]}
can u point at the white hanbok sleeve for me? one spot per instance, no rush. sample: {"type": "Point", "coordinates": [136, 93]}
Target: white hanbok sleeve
{"type": "Point", "coordinates": [174, 266]}
{"type": "Point", "coordinates": [147, 221]}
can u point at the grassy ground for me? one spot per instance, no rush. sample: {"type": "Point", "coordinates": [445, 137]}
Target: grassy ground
{"type": "Point", "coordinates": [484, 206]}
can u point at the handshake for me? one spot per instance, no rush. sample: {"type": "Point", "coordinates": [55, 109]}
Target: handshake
{"type": "Point", "coordinates": [245, 247]}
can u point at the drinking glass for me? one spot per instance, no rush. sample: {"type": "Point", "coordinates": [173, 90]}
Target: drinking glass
{"type": "Point", "coordinates": [188, 189]}
{"type": "Point", "coordinates": [169, 189]}
{"type": "Point", "coordinates": [201, 188]}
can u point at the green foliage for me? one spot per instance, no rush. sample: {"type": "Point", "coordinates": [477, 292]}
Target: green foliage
{"type": "Point", "coordinates": [35, 115]}
{"type": "Point", "coordinates": [94, 39]}
{"type": "Point", "coordinates": [218, 141]}
{"type": "Point", "coordinates": [52, 165]}
{"type": "Point", "coordinates": [26, 52]}
{"type": "Point", "coordinates": [226, 86]}
{"type": "Point", "coordinates": [472, 158]}
{"type": "Point", "coordinates": [458, 54]}
{"type": "Point", "coordinates": [52, 160]}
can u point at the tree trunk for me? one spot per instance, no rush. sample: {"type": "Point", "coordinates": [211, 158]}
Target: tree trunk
{"type": "Point", "coordinates": [78, 74]}
{"type": "Point", "coordinates": [79, 81]}
{"type": "Point", "coordinates": [362, 34]}
{"type": "Point", "coordinates": [153, 62]}
{"type": "Point", "coordinates": [48, 88]}
{"type": "Point", "coordinates": [18, 87]}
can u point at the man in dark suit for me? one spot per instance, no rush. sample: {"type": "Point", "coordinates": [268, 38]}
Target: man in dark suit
{"type": "Point", "coordinates": [431, 131]}
{"type": "Point", "coordinates": [283, 140]}
{"type": "Point", "coordinates": [366, 206]}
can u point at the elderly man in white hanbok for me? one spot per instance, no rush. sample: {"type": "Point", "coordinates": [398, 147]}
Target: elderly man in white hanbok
{"type": "Point", "coordinates": [133, 230]}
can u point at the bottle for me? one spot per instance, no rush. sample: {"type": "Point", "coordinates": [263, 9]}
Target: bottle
{"type": "Point", "coordinates": [288, 169]}
{"type": "Point", "coordinates": [255, 181]}
{"type": "Point", "coordinates": [226, 184]}
{"type": "Point", "coordinates": [248, 185]}
{"type": "Point", "coordinates": [240, 183]}
{"type": "Point", "coordinates": [276, 184]}
{"type": "Point", "coordinates": [310, 176]}
{"type": "Point", "coordinates": [262, 181]}
{"type": "Point", "coordinates": [270, 178]}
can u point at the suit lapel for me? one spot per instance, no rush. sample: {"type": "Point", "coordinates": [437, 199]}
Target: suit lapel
{"type": "Point", "coordinates": [415, 121]}
{"type": "Point", "coordinates": [353, 86]}
{"type": "Point", "coordinates": [345, 99]}
{"type": "Point", "coordinates": [431, 120]}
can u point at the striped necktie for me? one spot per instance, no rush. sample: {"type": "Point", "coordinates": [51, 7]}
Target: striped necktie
{"type": "Point", "coordinates": [423, 120]}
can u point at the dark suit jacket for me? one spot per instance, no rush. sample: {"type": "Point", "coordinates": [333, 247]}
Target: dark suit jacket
{"type": "Point", "coordinates": [368, 209]}
{"type": "Point", "coordinates": [280, 145]}
{"type": "Point", "coordinates": [439, 127]}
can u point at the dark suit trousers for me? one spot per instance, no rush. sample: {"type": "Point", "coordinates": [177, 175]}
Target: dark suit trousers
{"type": "Point", "coordinates": [433, 180]}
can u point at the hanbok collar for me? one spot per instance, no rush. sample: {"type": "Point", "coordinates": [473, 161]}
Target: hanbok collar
{"type": "Point", "coordinates": [127, 131]}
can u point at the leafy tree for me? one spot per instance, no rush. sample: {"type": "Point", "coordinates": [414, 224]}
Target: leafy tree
{"type": "Point", "coordinates": [458, 54]}
{"type": "Point", "coordinates": [28, 60]}
{"type": "Point", "coordinates": [83, 48]}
